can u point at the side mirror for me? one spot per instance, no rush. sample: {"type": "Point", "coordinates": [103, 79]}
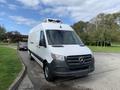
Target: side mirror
{"type": "Point", "coordinates": [42, 43]}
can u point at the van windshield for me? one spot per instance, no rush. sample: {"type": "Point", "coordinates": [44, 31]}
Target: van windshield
{"type": "Point", "coordinates": [62, 37]}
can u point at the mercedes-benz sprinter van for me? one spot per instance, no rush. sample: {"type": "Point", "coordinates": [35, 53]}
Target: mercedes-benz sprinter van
{"type": "Point", "coordinates": [59, 50]}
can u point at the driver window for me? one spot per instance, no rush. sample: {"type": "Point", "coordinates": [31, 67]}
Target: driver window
{"type": "Point", "coordinates": [42, 38]}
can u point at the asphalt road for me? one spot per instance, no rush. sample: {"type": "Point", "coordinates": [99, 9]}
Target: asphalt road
{"type": "Point", "coordinates": [105, 77]}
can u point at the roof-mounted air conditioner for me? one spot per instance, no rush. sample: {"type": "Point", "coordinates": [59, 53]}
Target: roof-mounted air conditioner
{"type": "Point", "coordinates": [52, 20]}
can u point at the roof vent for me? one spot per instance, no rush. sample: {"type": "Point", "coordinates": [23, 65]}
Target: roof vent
{"type": "Point", "coordinates": [52, 20]}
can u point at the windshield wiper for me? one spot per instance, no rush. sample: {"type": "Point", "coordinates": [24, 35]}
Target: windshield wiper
{"type": "Point", "coordinates": [57, 46]}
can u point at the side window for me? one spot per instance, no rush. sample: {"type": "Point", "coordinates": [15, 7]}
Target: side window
{"type": "Point", "coordinates": [42, 39]}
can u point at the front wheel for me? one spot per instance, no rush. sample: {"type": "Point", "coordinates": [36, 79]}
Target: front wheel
{"type": "Point", "coordinates": [48, 75]}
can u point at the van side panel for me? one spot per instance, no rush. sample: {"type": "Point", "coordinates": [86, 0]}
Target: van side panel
{"type": "Point", "coordinates": [33, 40]}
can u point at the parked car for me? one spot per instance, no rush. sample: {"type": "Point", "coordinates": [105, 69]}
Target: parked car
{"type": "Point", "coordinates": [22, 46]}
{"type": "Point", "coordinates": [59, 50]}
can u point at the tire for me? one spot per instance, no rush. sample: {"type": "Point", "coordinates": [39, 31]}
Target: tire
{"type": "Point", "coordinates": [47, 73]}
{"type": "Point", "coordinates": [31, 58]}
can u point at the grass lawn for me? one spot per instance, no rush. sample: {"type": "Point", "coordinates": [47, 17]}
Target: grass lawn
{"type": "Point", "coordinates": [112, 49]}
{"type": "Point", "coordinates": [10, 66]}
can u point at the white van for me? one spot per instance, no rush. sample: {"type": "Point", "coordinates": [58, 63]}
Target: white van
{"type": "Point", "coordinates": [58, 49]}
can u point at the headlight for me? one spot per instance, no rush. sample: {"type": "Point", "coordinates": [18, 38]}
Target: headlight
{"type": "Point", "coordinates": [57, 57]}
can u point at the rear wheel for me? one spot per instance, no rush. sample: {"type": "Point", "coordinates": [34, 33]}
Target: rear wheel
{"type": "Point", "coordinates": [47, 73]}
{"type": "Point", "coordinates": [30, 56]}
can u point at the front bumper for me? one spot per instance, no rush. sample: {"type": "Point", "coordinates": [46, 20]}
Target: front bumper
{"type": "Point", "coordinates": [61, 69]}
{"type": "Point", "coordinates": [73, 73]}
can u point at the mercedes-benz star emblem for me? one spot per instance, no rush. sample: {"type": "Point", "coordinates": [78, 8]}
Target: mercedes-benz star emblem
{"type": "Point", "coordinates": [81, 59]}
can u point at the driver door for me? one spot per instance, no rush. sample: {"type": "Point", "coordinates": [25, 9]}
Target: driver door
{"type": "Point", "coordinates": [41, 47]}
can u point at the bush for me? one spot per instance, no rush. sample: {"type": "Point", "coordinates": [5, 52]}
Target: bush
{"type": "Point", "coordinates": [98, 43]}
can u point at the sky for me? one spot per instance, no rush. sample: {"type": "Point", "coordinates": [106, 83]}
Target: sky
{"type": "Point", "coordinates": [22, 15]}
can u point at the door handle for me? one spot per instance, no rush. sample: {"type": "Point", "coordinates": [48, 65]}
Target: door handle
{"type": "Point", "coordinates": [32, 42]}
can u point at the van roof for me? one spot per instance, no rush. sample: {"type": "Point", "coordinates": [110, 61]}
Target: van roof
{"type": "Point", "coordinates": [56, 26]}
{"type": "Point", "coordinates": [52, 26]}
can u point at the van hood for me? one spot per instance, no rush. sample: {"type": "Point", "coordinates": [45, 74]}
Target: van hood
{"type": "Point", "coordinates": [68, 50]}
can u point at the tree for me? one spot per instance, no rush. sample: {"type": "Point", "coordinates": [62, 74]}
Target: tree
{"type": "Point", "coordinates": [13, 36]}
{"type": "Point", "coordinates": [80, 29]}
{"type": "Point", "coordinates": [2, 33]}
{"type": "Point", "coordinates": [104, 28]}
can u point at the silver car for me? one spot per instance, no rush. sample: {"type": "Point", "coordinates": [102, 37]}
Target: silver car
{"type": "Point", "coordinates": [22, 46]}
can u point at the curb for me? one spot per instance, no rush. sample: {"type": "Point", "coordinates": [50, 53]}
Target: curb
{"type": "Point", "coordinates": [17, 81]}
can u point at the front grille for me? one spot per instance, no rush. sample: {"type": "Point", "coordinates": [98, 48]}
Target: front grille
{"type": "Point", "coordinates": [78, 61]}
